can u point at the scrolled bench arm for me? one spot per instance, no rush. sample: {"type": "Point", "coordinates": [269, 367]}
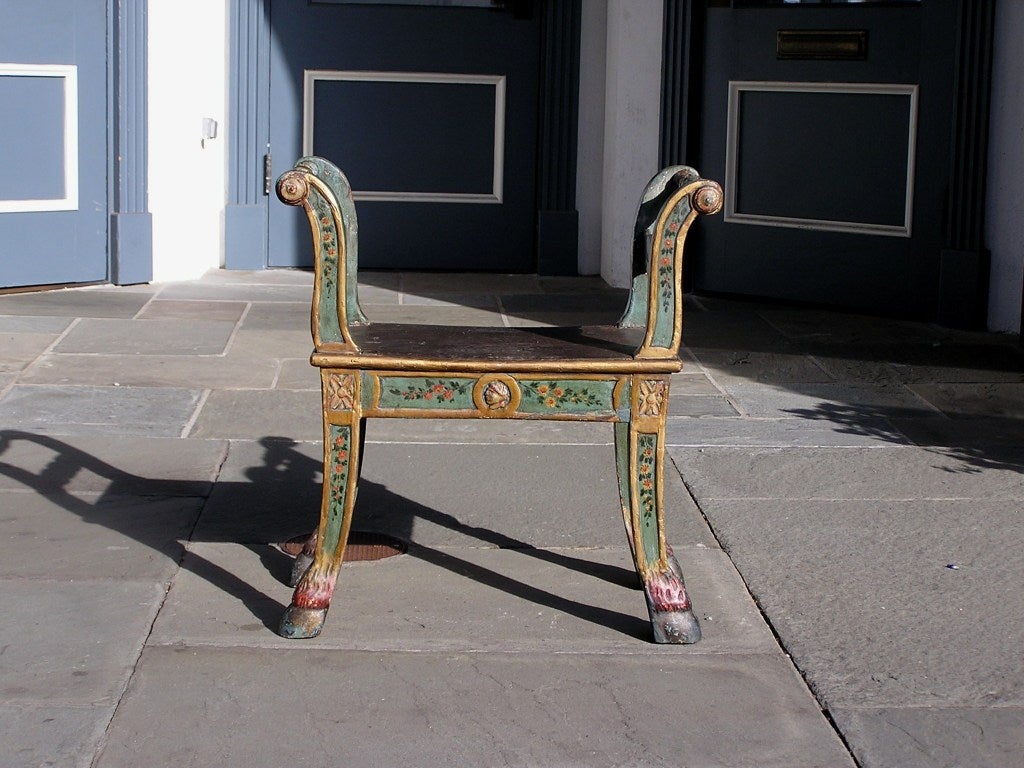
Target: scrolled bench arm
{"type": "Point", "coordinates": [323, 191]}
{"type": "Point", "coordinates": [669, 205]}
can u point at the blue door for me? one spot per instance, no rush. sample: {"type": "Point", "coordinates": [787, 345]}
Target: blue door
{"type": "Point", "coordinates": [830, 123]}
{"type": "Point", "coordinates": [431, 109]}
{"type": "Point", "coordinates": [53, 142]}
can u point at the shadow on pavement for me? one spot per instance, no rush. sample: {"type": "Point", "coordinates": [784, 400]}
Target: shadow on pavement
{"type": "Point", "coordinates": [298, 476]}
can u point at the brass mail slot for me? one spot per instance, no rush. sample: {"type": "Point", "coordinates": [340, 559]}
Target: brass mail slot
{"type": "Point", "coordinates": [822, 44]}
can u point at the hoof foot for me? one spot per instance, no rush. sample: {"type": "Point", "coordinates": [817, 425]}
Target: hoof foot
{"type": "Point", "coordinates": [299, 568]}
{"type": "Point", "coordinates": [299, 623]}
{"type": "Point", "coordinates": [679, 627]}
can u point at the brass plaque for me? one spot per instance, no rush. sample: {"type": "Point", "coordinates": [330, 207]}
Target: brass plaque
{"type": "Point", "coordinates": [822, 44]}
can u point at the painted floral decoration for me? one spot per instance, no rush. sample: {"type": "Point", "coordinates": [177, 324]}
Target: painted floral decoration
{"type": "Point", "coordinates": [432, 390]}
{"type": "Point", "coordinates": [646, 450]}
{"type": "Point", "coordinates": [554, 394]}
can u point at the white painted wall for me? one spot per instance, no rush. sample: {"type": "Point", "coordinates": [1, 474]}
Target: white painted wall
{"type": "Point", "coordinates": [188, 53]}
{"type": "Point", "coordinates": [631, 128]}
{"type": "Point", "coordinates": [1004, 226]}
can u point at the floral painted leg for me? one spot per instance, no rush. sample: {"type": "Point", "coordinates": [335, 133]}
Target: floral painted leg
{"type": "Point", "coordinates": [312, 597]}
{"type": "Point", "coordinates": [640, 459]}
{"type": "Point", "coordinates": [304, 559]}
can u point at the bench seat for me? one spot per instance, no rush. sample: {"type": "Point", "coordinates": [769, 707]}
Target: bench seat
{"type": "Point", "coordinates": [618, 374]}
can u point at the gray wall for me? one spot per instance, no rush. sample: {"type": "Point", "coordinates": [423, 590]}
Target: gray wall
{"type": "Point", "coordinates": [1004, 227]}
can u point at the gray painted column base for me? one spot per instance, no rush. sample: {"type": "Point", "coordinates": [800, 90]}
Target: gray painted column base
{"type": "Point", "coordinates": [131, 248]}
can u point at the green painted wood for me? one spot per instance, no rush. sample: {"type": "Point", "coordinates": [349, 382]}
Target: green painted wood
{"type": "Point", "coordinates": [336, 477]}
{"type": "Point", "coordinates": [426, 393]}
{"type": "Point", "coordinates": [566, 396]}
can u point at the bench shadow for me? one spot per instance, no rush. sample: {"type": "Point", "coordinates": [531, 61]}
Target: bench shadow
{"type": "Point", "coordinates": [261, 512]}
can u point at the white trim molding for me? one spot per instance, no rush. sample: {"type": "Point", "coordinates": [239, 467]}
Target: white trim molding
{"type": "Point", "coordinates": [731, 215]}
{"type": "Point", "coordinates": [312, 76]}
{"type": "Point", "coordinates": [69, 73]}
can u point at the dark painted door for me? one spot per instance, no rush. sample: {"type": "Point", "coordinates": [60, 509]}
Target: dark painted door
{"type": "Point", "coordinates": [430, 110]}
{"type": "Point", "coordinates": [829, 124]}
{"type": "Point", "coordinates": [53, 142]}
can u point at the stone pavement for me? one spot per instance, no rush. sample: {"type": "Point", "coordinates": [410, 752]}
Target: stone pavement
{"type": "Point", "coordinates": [848, 513]}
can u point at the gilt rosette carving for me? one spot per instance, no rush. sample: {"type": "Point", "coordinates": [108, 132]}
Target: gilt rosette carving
{"type": "Point", "coordinates": [651, 397]}
{"type": "Point", "coordinates": [341, 391]}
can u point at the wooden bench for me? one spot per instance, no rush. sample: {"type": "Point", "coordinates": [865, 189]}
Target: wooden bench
{"type": "Point", "coordinates": [617, 373]}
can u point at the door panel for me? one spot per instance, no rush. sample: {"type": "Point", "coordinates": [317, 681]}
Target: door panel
{"type": "Point", "coordinates": [53, 151]}
{"type": "Point", "coordinates": [833, 157]}
{"type": "Point", "coordinates": [432, 114]}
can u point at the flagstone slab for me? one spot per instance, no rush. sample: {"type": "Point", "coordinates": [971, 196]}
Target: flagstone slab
{"type": "Point", "coordinates": [78, 302]}
{"type": "Point", "coordinates": [494, 431]}
{"type": "Point", "coordinates": [527, 495]}
{"type": "Point", "coordinates": [841, 404]}
{"type": "Point", "coordinates": [433, 283]}
{"type": "Point", "coordinates": [230, 371]}
{"type": "Point", "coordinates": [476, 300]}
{"type": "Point", "coordinates": [117, 465]}
{"type": "Point", "coordinates": [279, 316]}
{"type": "Point", "coordinates": [271, 344]}
{"type": "Point", "coordinates": [888, 603]}
{"type": "Point", "coordinates": [256, 413]}
{"type": "Point", "coordinates": [86, 536]}
{"type": "Point", "coordinates": [757, 366]}
{"type": "Point", "coordinates": [18, 350]}
{"type": "Point", "coordinates": [152, 337]}
{"type": "Point", "coordinates": [432, 315]}
{"type": "Point", "coordinates": [52, 736]}
{"type": "Point", "coordinates": [229, 291]}
{"type": "Point", "coordinates": [32, 324]}
{"type": "Point", "coordinates": [561, 600]}
{"type": "Point", "coordinates": [912, 737]}
{"type": "Point", "coordinates": [72, 643]}
{"type": "Point", "coordinates": [85, 410]}
{"type": "Point", "coordinates": [768, 433]}
{"type": "Point", "coordinates": [298, 374]}
{"type": "Point", "coordinates": [223, 311]}
{"type": "Point", "coordinates": [245, 707]}
{"type": "Point", "coordinates": [257, 277]}
{"type": "Point", "coordinates": [985, 399]}
{"type": "Point", "coordinates": [893, 472]}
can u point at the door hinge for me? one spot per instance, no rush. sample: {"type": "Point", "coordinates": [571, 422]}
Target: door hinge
{"type": "Point", "coordinates": [267, 170]}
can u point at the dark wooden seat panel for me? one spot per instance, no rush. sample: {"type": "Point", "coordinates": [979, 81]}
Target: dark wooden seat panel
{"type": "Point", "coordinates": [596, 348]}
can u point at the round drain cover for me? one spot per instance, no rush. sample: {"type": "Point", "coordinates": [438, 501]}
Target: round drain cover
{"type": "Point", "coordinates": [362, 546]}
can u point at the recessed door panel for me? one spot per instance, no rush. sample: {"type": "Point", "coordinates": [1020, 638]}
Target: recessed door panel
{"type": "Point", "coordinates": [430, 110]}
{"type": "Point", "coordinates": [829, 124]}
{"type": "Point", "coordinates": [53, 146]}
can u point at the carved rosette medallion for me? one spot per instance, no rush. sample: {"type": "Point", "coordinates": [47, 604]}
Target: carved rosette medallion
{"type": "Point", "coordinates": [708, 199]}
{"type": "Point", "coordinates": [341, 391]}
{"type": "Point", "coordinates": [651, 397]}
{"type": "Point", "coordinates": [496, 395]}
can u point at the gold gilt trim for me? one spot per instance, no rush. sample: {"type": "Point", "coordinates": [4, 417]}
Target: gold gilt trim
{"type": "Point", "coordinates": [647, 350]}
{"type": "Point", "coordinates": [341, 271]}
